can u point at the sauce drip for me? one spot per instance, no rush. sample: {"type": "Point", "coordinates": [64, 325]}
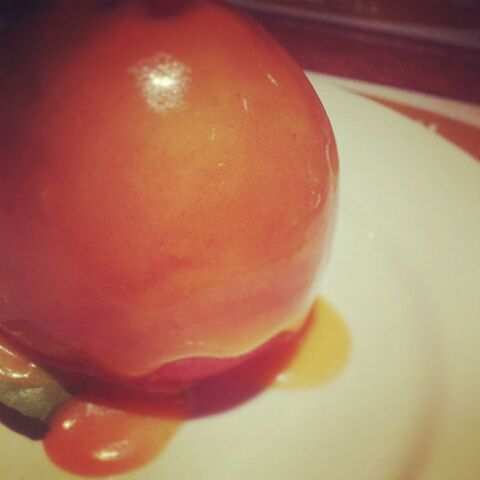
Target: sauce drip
{"type": "Point", "coordinates": [322, 352]}
{"type": "Point", "coordinates": [89, 439]}
{"type": "Point", "coordinates": [108, 434]}
{"type": "Point", "coordinates": [310, 357]}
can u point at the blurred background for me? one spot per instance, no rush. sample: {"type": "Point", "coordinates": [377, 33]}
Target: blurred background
{"type": "Point", "coordinates": [430, 46]}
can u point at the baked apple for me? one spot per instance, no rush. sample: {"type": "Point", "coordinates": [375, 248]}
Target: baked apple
{"type": "Point", "coordinates": [167, 190]}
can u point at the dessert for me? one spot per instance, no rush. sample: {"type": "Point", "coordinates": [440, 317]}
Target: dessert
{"type": "Point", "coordinates": [167, 191]}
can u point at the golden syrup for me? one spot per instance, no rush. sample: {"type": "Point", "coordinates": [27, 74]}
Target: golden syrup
{"type": "Point", "coordinates": [323, 351]}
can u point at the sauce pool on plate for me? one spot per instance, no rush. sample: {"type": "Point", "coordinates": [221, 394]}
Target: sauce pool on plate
{"type": "Point", "coordinates": [100, 435]}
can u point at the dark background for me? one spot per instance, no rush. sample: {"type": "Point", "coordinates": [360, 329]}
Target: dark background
{"type": "Point", "coordinates": [431, 46]}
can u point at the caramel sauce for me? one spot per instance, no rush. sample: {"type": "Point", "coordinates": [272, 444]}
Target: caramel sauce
{"type": "Point", "coordinates": [91, 439]}
{"type": "Point", "coordinates": [323, 351]}
{"type": "Point", "coordinates": [100, 433]}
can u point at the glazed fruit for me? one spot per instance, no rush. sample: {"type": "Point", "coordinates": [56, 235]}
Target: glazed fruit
{"type": "Point", "coordinates": [167, 190]}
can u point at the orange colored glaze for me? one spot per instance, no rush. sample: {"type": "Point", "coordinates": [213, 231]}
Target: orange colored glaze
{"type": "Point", "coordinates": [164, 195]}
{"type": "Point", "coordinates": [152, 213]}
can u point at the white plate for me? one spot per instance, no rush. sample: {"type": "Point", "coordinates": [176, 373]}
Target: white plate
{"type": "Point", "coordinates": [405, 275]}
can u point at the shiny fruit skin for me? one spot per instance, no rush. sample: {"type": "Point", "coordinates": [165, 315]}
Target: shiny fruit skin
{"type": "Point", "coordinates": [167, 188]}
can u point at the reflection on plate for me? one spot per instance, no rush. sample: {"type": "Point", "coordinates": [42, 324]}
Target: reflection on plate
{"type": "Point", "coordinates": [403, 274]}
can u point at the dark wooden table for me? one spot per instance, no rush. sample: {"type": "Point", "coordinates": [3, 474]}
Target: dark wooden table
{"type": "Point", "coordinates": [387, 56]}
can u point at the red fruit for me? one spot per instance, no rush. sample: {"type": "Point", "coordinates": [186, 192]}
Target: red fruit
{"type": "Point", "coordinates": [167, 185]}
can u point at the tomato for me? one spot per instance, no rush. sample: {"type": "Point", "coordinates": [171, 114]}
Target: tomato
{"type": "Point", "coordinates": [167, 189]}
